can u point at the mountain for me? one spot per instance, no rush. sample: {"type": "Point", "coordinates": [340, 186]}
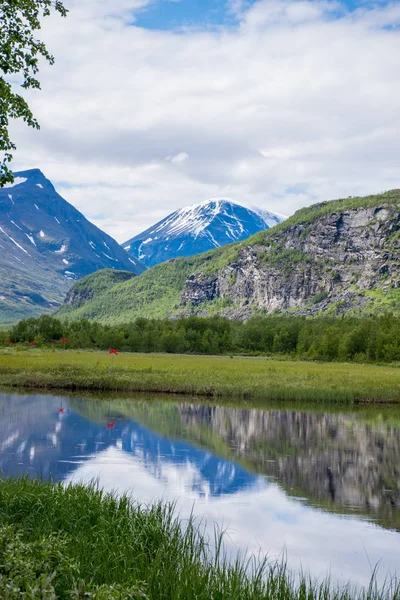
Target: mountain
{"type": "Point", "coordinates": [46, 245]}
{"type": "Point", "coordinates": [336, 256]}
{"type": "Point", "coordinates": [198, 228]}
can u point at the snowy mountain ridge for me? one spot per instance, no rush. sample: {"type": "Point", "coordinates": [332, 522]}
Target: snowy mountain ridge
{"type": "Point", "coordinates": [45, 245]}
{"type": "Point", "coordinates": [198, 228]}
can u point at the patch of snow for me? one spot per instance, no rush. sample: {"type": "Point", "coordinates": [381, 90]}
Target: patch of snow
{"type": "Point", "coordinates": [36, 206]}
{"type": "Point", "coordinates": [16, 243]}
{"type": "Point", "coordinates": [93, 245]}
{"type": "Point", "coordinates": [269, 217]}
{"type": "Point", "coordinates": [108, 247]}
{"type": "Point", "coordinates": [17, 181]}
{"type": "Point", "coordinates": [61, 250]}
{"type": "Point", "coordinates": [39, 185]}
{"type": "Point", "coordinates": [132, 261]}
{"type": "Point", "coordinates": [30, 238]}
{"type": "Point", "coordinates": [148, 241]}
{"type": "Point", "coordinates": [16, 225]}
{"type": "Point", "coordinates": [69, 273]}
{"type": "Point", "coordinates": [10, 196]}
{"type": "Point", "coordinates": [106, 255]}
{"type": "Point", "coordinates": [127, 248]}
{"type": "Point", "coordinates": [2, 297]}
{"type": "Point", "coordinates": [214, 241]}
{"type": "Point", "coordinates": [57, 220]}
{"type": "Point", "coordinates": [18, 259]}
{"type": "Point", "coordinates": [41, 233]}
{"type": "Point", "coordinates": [65, 261]}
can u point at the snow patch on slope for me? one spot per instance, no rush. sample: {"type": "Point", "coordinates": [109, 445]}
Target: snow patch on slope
{"type": "Point", "coordinates": [269, 217]}
{"type": "Point", "coordinates": [14, 242]}
{"type": "Point", "coordinates": [30, 238]}
{"type": "Point", "coordinates": [17, 181]}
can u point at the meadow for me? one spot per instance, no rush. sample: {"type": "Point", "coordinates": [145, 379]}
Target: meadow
{"type": "Point", "coordinates": [77, 542]}
{"type": "Point", "coordinates": [241, 378]}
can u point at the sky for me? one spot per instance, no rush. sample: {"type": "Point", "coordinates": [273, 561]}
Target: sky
{"type": "Point", "coordinates": [153, 105]}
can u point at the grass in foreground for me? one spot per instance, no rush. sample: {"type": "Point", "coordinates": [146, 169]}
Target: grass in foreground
{"type": "Point", "coordinates": [76, 542]}
{"type": "Point", "coordinates": [210, 376]}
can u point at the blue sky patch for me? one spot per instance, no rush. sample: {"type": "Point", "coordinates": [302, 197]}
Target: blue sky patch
{"type": "Point", "coordinates": [169, 14]}
{"type": "Point", "coordinates": [180, 14]}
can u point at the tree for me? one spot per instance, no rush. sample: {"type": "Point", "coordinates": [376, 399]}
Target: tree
{"type": "Point", "coordinates": [20, 53]}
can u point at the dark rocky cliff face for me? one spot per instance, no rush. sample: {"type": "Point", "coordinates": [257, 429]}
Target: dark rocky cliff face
{"type": "Point", "coordinates": [307, 267]}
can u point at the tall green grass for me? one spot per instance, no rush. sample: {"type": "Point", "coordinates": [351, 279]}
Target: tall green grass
{"type": "Point", "coordinates": [77, 542]}
{"type": "Point", "coordinates": [244, 379]}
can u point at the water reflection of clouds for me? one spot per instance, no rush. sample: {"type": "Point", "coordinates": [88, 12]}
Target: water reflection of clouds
{"type": "Point", "coordinates": [259, 517]}
{"type": "Point", "coordinates": [258, 514]}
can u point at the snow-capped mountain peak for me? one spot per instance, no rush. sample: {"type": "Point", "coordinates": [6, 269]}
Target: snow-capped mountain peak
{"type": "Point", "coordinates": [198, 228]}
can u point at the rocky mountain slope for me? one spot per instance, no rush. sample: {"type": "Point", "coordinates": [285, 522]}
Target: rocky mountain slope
{"type": "Point", "coordinates": [334, 256]}
{"type": "Point", "coordinates": [198, 228]}
{"type": "Point", "coordinates": [46, 245]}
{"type": "Point", "coordinates": [343, 462]}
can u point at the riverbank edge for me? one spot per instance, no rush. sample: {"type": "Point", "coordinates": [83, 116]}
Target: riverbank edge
{"type": "Point", "coordinates": [247, 398]}
{"type": "Point", "coordinates": [241, 380]}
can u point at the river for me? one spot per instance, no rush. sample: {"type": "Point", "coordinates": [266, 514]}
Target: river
{"type": "Point", "coordinates": [319, 486]}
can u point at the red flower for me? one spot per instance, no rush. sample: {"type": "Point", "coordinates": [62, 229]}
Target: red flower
{"type": "Point", "coordinates": [113, 351]}
{"type": "Point", "coordinates": [110, 425]}
{"type": "Point", "coordinates": [64, 340]}
{"type": "Point", "coordinates": [61, 411]}
{"type": "Point", "coordinates": [33, 343]}
{"type": "Point", "coordinates": [10, 341]}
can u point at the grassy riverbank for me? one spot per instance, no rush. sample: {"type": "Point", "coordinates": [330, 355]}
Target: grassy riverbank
{"type": "Point", "coordinates": [209, 376]}
{"type": "Point", "coordinates": [77, 543]}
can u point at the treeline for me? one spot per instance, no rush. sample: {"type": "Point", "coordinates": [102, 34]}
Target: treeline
{"type": "Point", "coordinates": [323, 338]}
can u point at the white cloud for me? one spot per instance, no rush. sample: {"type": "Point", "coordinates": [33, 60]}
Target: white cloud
{"type": "Point", "coordinates": [299, 103]}
{"type": "Point", "coordinates": [178, 158]}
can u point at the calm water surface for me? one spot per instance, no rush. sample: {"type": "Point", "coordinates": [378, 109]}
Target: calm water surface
{"type": "Point", "coordinates": [324, 487]}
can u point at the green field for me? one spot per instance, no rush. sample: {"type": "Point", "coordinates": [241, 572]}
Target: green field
{"type": "Point", "coordinates": [245, 379]}
{"type": "Point", "coordinates": [76, 543]}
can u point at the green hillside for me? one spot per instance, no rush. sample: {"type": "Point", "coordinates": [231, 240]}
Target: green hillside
{"type": "Point", "coordinates": [157, 293]}
{"type": "Point", "coordinates": [154, 294]}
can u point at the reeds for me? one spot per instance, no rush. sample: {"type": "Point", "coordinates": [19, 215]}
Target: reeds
{"type": "Point", "coordinates": [77, 542]}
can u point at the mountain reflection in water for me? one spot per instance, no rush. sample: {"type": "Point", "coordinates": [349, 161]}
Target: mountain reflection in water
{"type": "Point", "coordinates": [265, 475]}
